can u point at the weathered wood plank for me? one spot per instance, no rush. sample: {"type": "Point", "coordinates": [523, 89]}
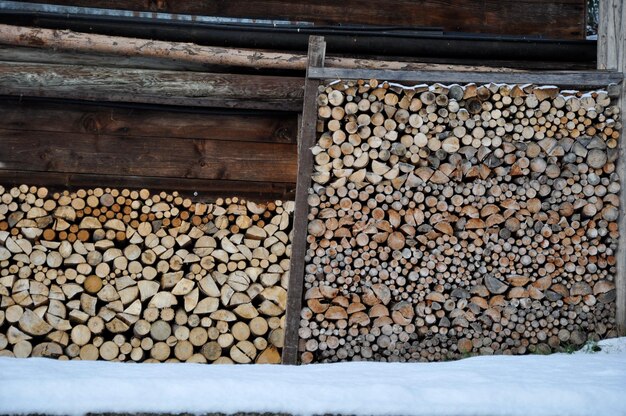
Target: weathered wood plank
{"type": "Point", "coordinates": [561, 78]}
{"type": "Point", "coordinates": [154, 121]}
{"type": "Point", "coordinates": [611, 36]}
{"type": "Point", "coordinates": [306, 140]}
{"type": "Point", "coordinates": [197, 189]}
{"type": "Point", "coordinates": [147, 156]}
{"type": "Point", "coordinates": [553, 19]}
{"type": "Point", "coordinates": [612, 56]}
{"type": "Point", "coordinates": [151, 86]}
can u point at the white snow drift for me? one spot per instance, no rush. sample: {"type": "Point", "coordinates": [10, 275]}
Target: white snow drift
{"type": "Point", "coordinates": [559, 384]}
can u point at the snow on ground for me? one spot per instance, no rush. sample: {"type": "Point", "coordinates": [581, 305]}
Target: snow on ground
{"type": "Point", "coordinates": [561, 384]}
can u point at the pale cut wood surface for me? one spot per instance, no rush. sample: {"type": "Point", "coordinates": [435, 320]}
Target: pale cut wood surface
{"type": "Point", "coordinates": [460, 219]}
{"type": "Point", "coordinates": [125, 275]}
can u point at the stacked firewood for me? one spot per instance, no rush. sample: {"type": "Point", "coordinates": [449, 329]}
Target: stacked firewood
{"type": "Point", "coordinates": [126, 275]}
{"type": "Point", "coordinates": [454, 220]}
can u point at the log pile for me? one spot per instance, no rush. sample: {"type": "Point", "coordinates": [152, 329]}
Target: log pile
{"type": "Point", "coordinates": [126, 275]}
{"type": "Point", "coordinates": [455, 220]}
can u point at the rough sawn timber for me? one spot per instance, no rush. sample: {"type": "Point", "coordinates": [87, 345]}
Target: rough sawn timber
{"type": "Point", "coordinates": [612, 56]}
{"type": "Point", "coordinates": [577, 79]}
{"type": "Point", "coordinates": [139, 156]}
{"type": "Point", "coordinates": [151, 87]}
{"type": "Point", "coordinates": [147, 121]}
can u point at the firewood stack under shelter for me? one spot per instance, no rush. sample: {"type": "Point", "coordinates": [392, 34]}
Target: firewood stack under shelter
{"type": "Point", "coordinates": [125, 275]}
{"type": "Point", "coordinates": [454, 220]}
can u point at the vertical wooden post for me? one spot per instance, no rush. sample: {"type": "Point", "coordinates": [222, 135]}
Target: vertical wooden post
{"type": "Point", "coordinates": [306, 140]}
{"type": "Point", "coordinates": [612, 55]}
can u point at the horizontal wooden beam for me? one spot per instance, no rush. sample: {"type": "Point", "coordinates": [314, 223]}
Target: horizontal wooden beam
{"type": "Point", "coordinates": [187, 52]}
{"type": "Point", "coordinates": [27, 54]}
{"type": "Point", "coordinates": [147, 52]}
{"type": "Point", "coordinates": [197, 189]}
{"type": "Point", "coordinates": [101, 154]}
{"type": "Point", "coordinates": [561, 78]}
{"type": "Point", "coordinates": [151, 86]}
{"type": "Point", "coordinates": [563, 19]}
{"type": "Point", "coordinates": [131, 120]}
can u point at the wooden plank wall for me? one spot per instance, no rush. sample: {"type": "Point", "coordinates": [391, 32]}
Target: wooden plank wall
{"type": "Point", "coordinates": [561, 19]}
{"type": "Point", "coordinates": [212, 152]}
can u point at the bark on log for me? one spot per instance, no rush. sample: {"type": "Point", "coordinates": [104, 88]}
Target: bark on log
{"type": "Point", "coordinates": [67, 40]}
{"type": "Point", "coordinates": [447, 220]}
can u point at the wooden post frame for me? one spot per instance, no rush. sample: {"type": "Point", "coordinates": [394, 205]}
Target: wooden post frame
{"type": "Point", "coordinates": [612, 56]}
{"type": "Point", "coordinates": [306, 140]}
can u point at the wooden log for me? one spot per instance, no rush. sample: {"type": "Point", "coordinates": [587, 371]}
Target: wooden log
{"type": "Point", "coordinates": [206, 56]}
{"type": "Point", "coordinates": [129, 311]}
{"type": "Point", "coordinates": [445, 250]}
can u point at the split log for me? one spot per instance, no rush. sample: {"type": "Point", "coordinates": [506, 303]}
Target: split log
{"type": "Point", "coordinates": [146, 277]}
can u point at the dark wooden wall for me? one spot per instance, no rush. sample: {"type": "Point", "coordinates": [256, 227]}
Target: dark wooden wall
{"type": "Point", "coordinates": [561, 19]}
{"type": "Point", "coordinates": [212, 152]}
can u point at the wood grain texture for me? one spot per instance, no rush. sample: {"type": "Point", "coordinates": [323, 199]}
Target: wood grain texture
{"type": "Point", "coordinates": [197, 189]}
{"type": "Point", "coordinates": [166, 303]}
{"type": "Point", "coordinates": [146, 48]}
{"type": "Point", "coordinates": [306, 140]}
{"type": "Point", "coordinates": [612, 56]}
{"type": "Point", "coordinates": [46, 56]}
{"type": "Point", "coordinates": [563, 19]}
{"type": "Point", "coordinates": [134, 121]}
{"type": "Point", "coordinates": [144, 53]}
{"type": "Point", "coordinates": [611, 35]}
{"type": "Point", "coordinates": [141, 156]}
{"type": "Point", "coordinates": [151, 86]}
{"type": "Point", "coordinates": [578, 79]}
